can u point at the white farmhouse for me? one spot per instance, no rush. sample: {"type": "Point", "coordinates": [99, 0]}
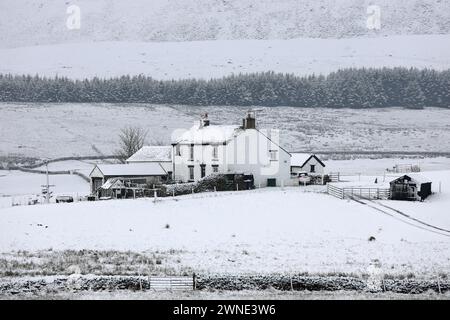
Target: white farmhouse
{"type": "Point", "coordinates": [306, 162]}
{"type": "Point", "coordinates": [206, 148]}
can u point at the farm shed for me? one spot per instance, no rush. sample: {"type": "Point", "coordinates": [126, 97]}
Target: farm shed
{"type": "Point", "coordinates": [410, 187]}
{"type": "Point", "coordinates": [154, 154]}
{"type": "Point", "coordinates": [135, 173]}
{"type": "Point", "coordinates": [305, 162]}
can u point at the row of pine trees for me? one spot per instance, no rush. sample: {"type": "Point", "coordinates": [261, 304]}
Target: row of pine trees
{"type": "Point", "coordinates": [348, 88]}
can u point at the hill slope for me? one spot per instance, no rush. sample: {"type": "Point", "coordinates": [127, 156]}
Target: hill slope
{"type": "Point", "coordinates": [211, 59]}
{"type": "Point", "coordinates": [31, 22]}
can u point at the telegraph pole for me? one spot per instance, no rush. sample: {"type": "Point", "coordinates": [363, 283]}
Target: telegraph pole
{"type": "Point", "coordinates": [46, 187]}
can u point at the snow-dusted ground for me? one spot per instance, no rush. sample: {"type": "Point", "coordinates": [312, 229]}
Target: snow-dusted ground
{"type": "Point", "coordinates": [374, 167]}
{"type": "Point", "coordinates": [269, 294]}
{"type": "Point", "coordinates": [29, 129]}
{"type": "Point", "coordinates": [243, 232]}
{"type": "Point", "coordinates": [211, 59]}
{"type": "Point", "coordinates": [20, 183]}
{"type": "Point", "coordinates": [26, 22]}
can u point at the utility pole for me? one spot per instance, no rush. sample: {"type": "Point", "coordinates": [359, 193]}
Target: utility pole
{"type": "Point", "coordinates": [46, 187]}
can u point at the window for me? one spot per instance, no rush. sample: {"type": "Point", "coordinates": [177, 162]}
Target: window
{"type": "Point", "coordinates": [202, 170]}
{"type": "Point", "coordinates": [191, 152]}
{"type": "Point", "coordinates": [215, 168]}
{"type": "Point", "coordinates": [215, 152]}
{"type": "Point", "coordinates": [273, 155]}
{"type": "Point", "coordinates": [313, 168]}
{"type": "Point", "coordinates": [191, 172]}
{"type": "Point", "coordinates": [177, 150]}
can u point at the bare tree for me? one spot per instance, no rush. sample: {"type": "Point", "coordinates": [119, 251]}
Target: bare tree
{"type": "Point", "coordinates": [131, 139]}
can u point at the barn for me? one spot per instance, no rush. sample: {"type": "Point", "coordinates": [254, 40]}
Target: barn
{"type": "Point", "coordinates": [306, 162]}
{"type": "Point", "coordinates": [410, 187]}
{"type": "Point", "coordinates": [129, 175]}
{"type": "Point", "coordinates": [154, 154]}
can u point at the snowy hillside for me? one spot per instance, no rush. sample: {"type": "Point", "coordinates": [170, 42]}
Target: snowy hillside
{"type": "Point", "coordinates": [31, 22]}
{"type": "Point", "coordinates": [210, 59]}
{"type": "Point", "coordinates": [28, 130]}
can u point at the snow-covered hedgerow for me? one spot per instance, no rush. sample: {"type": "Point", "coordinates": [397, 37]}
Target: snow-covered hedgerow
{"type": "Point", "coordinates": [213, 182]}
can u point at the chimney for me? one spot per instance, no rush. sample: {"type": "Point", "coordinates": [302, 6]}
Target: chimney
{"type": "Point", "coordinates": [250, 121]}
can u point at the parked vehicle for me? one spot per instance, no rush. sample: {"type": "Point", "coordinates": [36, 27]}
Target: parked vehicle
{"type": "Point", "coordinates": [64, 199]}
{"type": "Point", "coordinates": [304, 178]}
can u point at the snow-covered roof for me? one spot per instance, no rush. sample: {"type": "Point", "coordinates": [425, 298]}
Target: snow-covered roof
{"type": "Point", "coordinates": [132, 169]}
{"type": "Point", "coordinates": [299, 159]}
{"type": "Point", "coordinates": [416, 177]}
{"type": "Point", "coordinates": [112, 183]}
{"type": "Point", "coordinates": [152, 154]}
{"type": "Point", "coordinates": [211, 134]}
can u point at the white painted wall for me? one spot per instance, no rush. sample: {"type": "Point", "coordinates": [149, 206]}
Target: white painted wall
{"type": "Point", "coordinates": [203, 154]}
{"type": "Point", "coordinates": [248, 153]}
{"type": "Point", "coordinates": [319, 169]}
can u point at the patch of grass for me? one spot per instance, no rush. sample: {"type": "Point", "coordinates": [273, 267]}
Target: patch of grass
{"type": "Point", "coordinates": [106, 262]}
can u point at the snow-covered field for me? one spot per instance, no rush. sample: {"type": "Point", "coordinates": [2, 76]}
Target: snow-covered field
{"type": "Point", "coordinates": [244, 232]}
{"type": "Point", "coordinates": [19, 183]}
{"type": "Point", "coordinates": [212, 59]}
{"type": "Point", "coordinates": [28, 130]}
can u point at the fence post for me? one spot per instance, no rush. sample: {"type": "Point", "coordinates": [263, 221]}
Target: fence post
{"type": "Point", "coordinates": [194, 282]}
{"type": "Point", "coordinates": [439, 285]}
{"type": "Point", "coordinates": [237, 187]}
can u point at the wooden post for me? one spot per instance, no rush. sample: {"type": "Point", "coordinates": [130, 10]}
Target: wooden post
{"type": "Point", "coordinates": [237, 187]}
{"type": "Point", "coordinates": [155, 195]}
{"type": "Point", "coordinates": [173, 192]}
{"type": "Point", "coordinates": [215, 189]}
{"type": "Point", "coordinates": [292, 286]}
{"type": "Point", "coordinates": [439, 285]}
{"type": "Point", "coordinates": [194, 282]}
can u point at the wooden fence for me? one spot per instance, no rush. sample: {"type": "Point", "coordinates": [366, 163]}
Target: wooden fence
{"type": "Point", "coordinates": [334, 176]}
{"type": "Point", "coordinates": [172, 283]}
{"type": "Point", "coordinates": [362, 192]}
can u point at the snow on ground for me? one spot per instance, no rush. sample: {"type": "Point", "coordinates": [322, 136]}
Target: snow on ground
{"type": "Point", "coordinates": [236, 232]}
{"type": "Point", "coordinates": [29, 129]}
{"type": "Point", "coordinates": [269, 294]}
{"type": "Point", "coordinates": [378, 166]}
{"type": "Point", "coordinates": [435, 210]}
{"type": "Point", "coordinates": [15, 182]}
{"type": "Point", "coordinates": [185, 20]}
{"type": "Point", "coordinates": [211, 59]}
